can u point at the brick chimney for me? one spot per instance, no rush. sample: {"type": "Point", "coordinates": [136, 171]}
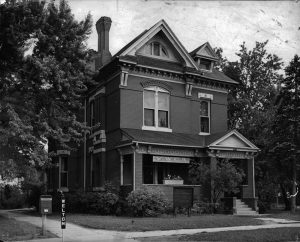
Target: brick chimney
{"type": "Point", "coordinates": [103, 27]}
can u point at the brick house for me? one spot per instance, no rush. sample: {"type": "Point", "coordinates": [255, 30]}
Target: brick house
{"type": "Point", "coordinates": [157, 108]}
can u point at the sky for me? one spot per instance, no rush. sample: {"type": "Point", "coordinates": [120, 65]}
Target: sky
{"type": "Point", "coordinates": [224, 24]}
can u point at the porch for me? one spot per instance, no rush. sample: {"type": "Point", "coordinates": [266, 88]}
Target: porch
{"type": "Point", "coordinates": [144, 162]}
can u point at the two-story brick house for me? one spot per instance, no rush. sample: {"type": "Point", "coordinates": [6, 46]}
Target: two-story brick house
{"type": "Point", "coordinates": [157, 108]}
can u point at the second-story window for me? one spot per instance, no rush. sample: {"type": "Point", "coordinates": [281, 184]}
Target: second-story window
{"type": "Point", "coordinates": [205, 117]}
{"type": "Point", "coordinates": [156, 107]}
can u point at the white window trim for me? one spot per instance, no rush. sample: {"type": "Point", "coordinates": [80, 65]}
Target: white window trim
{"type": "Point", "coordinates": [60, 172]}
{"type": "Point", "coordinates": [156, 127]}
{"type": "Point", "coordinates": [209, 117]}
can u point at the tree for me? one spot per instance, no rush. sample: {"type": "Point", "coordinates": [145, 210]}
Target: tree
{"type": "Point", "coordinates": [286, 129]}
{"type": "Point", "coordinates": [225, 178]}
{"type": "Point", "coordinates": [41, 93]}
{"type": "Point", "coordinates": [252, 106]}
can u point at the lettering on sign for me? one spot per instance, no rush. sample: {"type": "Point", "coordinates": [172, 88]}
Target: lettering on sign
{"type": "Point", "coordinates": [171, 159]}
{"type": "Point", "coordinates": [63, 213]}
{"type": "Point", "coordinates": [162, 151]}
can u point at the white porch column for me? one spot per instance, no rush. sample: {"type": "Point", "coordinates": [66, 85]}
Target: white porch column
{"type": "Point", "coordinates": [213, 166]}
{"type": "Point", "coordinates": [121, 170]}
{"type": "Point", "coordinates": [251, 178]}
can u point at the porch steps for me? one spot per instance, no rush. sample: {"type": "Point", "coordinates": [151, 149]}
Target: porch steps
{"type": "Point", "coordinates": [244, 209]}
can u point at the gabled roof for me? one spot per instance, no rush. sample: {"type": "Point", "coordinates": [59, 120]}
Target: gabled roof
{"type": "Point", "coordinates": [205, 51]}
{"type": "Point", "coordinates": [233, 140]}
{"type": "Point", "coordinates": [148, 34]}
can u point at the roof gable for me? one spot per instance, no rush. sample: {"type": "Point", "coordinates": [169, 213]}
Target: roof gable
{"type": "Point", "coordinates": [164, 29]}
{"type": "Point", "coordinates": [233, 140]}
{"type": "Point", "coordinates": [163, 41]}
{"type": "Point", "coordinates": [205, 51]}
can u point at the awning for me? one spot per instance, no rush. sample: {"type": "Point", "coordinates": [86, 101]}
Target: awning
{"type": "Point", "coordinates": [171, 159]}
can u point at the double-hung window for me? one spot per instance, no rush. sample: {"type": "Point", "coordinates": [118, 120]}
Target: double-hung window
{"type": "Point", "coordinates": [156, 109]}
{"type": "Point", "coordinates": [64, 171]}
{"type": "Point", "coordinates": [205, 117]}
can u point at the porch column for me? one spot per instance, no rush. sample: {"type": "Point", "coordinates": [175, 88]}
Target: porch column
{"type": "Point", "coordinates": [103, 168]}
{"type": "Point", "coordinates": [137, 170]}
{"type": "Point", "coordinates": [121, 170]}
{"type": "Point", "coordinates": [213, 166]}
{"type": "Point", "coordinates": [251, 180]}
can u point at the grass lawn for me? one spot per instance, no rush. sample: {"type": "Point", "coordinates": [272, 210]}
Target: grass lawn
{"type": "Point", "coordinates": [284, 214]}
{"type": "Point", "coordinates": [13, 230]}
{"type": "Point", "coordinates": [160, 223]}
{"type": "Point", "coordinates": [259, 235]}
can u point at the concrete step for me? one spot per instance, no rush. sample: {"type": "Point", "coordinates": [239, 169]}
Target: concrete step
{"type": "Point", "coordinates": [242, 206]}
{"type": "Point", "coordinates": [243, 209]}
{"type": "Point", "coordinates": [246, 213]}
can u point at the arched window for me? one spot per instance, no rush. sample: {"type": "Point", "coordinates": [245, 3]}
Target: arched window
{"type": "Point", "coordinates": [156, 108]}
{"type": "Point", "coordinates": [205, 117]}
{"type": "Point", "coordinates": [157, 49]}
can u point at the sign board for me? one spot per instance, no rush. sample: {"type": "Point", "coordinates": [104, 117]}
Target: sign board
{"type": "Point", "coordinates": [205, 95]}
{"type": "Point", "coordinates": [63, 213]}
{"type": "Point", "coordinates": [45, 204]}
{"type": "Point", "coordinates": [183, 197]}
{"type": "Point", "coordinates": [171, 159]}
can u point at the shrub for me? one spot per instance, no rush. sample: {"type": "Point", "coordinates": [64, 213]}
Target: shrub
{"type": "Point", "coordinates": [104, 203]}
{"type": "Point", "coordinates": [13, 197]}
{"type": "Point", "coordinates": [147, 202]}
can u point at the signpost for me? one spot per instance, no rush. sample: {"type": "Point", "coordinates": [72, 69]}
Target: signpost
{"type": "Point", "coordinates": [45, 208]}
{"type": "Point", "coordinates": [63, 214]}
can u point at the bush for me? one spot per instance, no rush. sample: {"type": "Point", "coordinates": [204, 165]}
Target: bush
{"type": "Point", "coordinates": [147, 202]}
{"type": "Point", "coordinates": [104, 203]}
{"type": "Point", "coordinates": [12, 197]}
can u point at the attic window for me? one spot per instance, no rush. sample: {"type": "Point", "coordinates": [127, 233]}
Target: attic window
{"type": "Point", "coordinates": [205, 64]}
{"type": "Point", "coordinates": [157, 49]}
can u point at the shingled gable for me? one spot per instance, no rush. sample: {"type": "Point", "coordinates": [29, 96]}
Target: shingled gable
{"type": "Point", "coordinates": [147, 35]}
{"type": "Point", "coordinates": [205, 51]}
{"type": "Point", "coordinates": [233, 140]}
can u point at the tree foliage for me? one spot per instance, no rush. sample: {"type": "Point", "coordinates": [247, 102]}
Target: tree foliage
{"type": "Point", "coordinates": [44, 74]}
{"type": "Point", "coordinates": [225, 178]}
{"type": "Point", "coordinates": [265, 108]}
{"type": "Point", "coordinates": [285, 145]}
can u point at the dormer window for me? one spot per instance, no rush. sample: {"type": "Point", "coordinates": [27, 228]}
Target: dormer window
{"type": "Point", "coordinates": [157, 49]}
{"type": "Point", "coordinates": [205, 64]}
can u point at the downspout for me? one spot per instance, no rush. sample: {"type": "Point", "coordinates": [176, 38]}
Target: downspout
{"type": "Point", "coordinates": [84, 150]}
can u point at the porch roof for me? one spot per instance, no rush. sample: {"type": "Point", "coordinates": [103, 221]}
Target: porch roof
{"type": "Point", "coordinates": [230, 140]}
{"type": "Point", "coordinates": [164, 138]}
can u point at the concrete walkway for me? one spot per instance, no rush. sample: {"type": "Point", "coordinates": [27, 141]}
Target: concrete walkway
{"type": "Point", "coordinates": [77, 233]}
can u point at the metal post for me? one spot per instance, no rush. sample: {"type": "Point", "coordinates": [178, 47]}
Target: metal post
{"type": "Point", "coordinates": [44, 224]}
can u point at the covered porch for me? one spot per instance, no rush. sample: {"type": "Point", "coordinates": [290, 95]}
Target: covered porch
{"type": "Point", "coordinates": [241, 152]}
{"type": "Point", "coordinates": [161, 161]}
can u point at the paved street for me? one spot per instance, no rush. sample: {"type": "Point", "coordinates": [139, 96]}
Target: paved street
{"type": "Point", "coordinates": [77, 233]}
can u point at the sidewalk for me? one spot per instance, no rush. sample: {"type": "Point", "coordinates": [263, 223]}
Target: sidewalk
{"type": "Point", "coordinates": [77, 233]}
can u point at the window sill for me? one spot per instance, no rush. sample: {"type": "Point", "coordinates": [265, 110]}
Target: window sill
{"type": "Point", "coordinates": [156, 129]}
{"type": "Point", "coordinates": [201, 133]}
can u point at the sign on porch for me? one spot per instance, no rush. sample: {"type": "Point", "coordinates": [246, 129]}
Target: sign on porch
{"type": "Point", "coordinates": [171, 159]}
